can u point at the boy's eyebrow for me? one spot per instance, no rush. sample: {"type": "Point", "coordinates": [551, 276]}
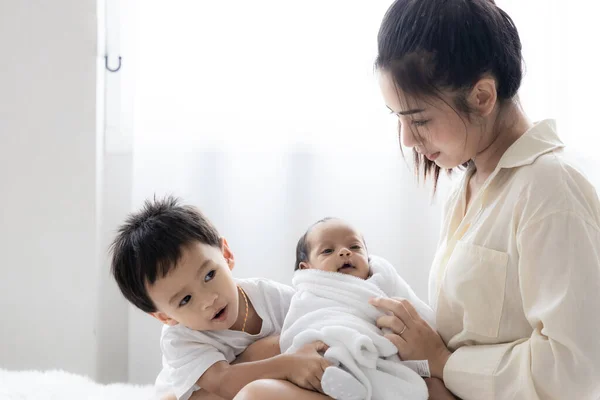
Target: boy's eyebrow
{"type": "Point", "coordinates": [179, 293]}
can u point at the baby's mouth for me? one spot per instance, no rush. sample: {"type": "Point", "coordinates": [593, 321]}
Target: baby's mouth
{"type": "Point", "coordinates": [346, 266]}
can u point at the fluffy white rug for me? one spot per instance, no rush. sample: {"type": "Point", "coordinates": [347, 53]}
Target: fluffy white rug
{"type": "Point", "coordinates": [61, 385]}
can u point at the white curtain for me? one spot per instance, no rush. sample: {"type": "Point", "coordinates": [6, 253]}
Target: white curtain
{"type": "Point", "coordinates": [267, 115]}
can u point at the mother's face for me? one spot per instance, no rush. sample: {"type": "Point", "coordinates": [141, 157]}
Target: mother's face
{"type": "Point", "coordinates": [432, 126]}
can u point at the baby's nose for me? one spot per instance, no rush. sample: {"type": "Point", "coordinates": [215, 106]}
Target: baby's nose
{"type": "Point", "coordinates": [344, 252]}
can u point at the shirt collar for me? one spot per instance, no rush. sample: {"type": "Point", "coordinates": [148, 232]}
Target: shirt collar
{"type": "Point", "coordinates": [540, 139]}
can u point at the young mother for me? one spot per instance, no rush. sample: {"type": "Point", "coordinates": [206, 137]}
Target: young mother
{"type": "Point", "coordinates": [516, 279]}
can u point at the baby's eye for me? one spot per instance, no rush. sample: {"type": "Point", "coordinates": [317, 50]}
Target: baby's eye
{"type": "Point", "coordinates": [210, 276]}
{"type": "Point", "coordinates": [185, 300]}
{"type": "Point", "coordinates": [327, 251]}
{"type": "Point", "coordinates": [355, 247]}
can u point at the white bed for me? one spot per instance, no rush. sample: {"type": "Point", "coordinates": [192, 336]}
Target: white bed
{"type": "Point", "coordinates": [60, 385]}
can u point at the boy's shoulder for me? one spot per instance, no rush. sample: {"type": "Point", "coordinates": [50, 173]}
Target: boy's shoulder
{"type": "Point", "coordinates": [256, 281]}
{"type": "Point", "coordinates": [265, 287]}
{"type": "Point", "coordinates": [178, 339]}
{"type": "Point", "coordinates": [178, 333]}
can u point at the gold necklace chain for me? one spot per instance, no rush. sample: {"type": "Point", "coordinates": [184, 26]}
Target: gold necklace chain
{"type": "Point", "coordinates": [246, 302]}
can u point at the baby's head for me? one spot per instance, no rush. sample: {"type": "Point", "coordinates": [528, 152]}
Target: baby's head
{"type": "Point", "coordinates": [170, 262]}
{"type": "Point", "coordinates": [333, 245]}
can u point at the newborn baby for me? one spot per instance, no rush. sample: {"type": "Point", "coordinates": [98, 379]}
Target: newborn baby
{"type": "Point", "coordinates": [334, 280]}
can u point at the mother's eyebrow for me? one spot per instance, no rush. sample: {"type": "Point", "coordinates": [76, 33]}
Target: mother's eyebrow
{"type": "Point", "coordinates": [407, 112]}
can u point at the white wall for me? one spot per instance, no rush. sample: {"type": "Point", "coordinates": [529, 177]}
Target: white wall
{"type": "Point", "coordinates": [48, 171]}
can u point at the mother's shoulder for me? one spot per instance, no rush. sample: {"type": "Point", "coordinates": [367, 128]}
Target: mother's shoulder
{"type": "Point", "coordinates": [556, 181]}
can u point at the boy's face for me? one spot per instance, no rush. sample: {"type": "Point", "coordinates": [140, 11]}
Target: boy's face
{"type": "Point", "coordinates": [199, 292]}
{"type": "Point", "coordinates": [337, 247]}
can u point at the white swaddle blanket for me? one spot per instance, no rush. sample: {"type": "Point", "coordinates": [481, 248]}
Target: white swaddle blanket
{"type": "Point", "coordinates": [333, 308]}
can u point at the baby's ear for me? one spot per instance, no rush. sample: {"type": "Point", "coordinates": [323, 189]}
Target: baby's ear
{"type": "Point", "coordinates": [164, 318]}
{"type": "Point", "coordinates": [304, 265]}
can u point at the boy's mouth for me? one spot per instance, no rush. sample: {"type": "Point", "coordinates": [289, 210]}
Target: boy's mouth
{"type": "Point", "coordinates": [220, 315]}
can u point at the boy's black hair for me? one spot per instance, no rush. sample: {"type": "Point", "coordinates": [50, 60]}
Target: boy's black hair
{"type": "Point", "coordinates": [303, 247]}
{"type": "Point", "coordinates": [149, 245]}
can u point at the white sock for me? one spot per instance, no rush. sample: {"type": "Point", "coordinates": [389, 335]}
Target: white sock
{"type": "Point", "coordinates": [341, 385]}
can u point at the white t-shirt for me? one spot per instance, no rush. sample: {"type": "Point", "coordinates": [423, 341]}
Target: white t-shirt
{"type": "Point", "coordinates": [188, 353]}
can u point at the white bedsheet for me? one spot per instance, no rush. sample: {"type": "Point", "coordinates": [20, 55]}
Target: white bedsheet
{"type": "Point", "coordinates": [61, 385]}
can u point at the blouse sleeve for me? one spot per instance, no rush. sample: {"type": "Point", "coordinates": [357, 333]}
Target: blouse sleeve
{"type": "Point", "coordinates": [559, 274]}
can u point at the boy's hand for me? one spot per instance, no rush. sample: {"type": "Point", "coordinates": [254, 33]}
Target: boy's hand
{"type": "Point", "coordinates": [307, 366]}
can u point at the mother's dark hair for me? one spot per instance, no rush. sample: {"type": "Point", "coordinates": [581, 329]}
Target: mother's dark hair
{"type": "Point", "coordinates": [435, 46]}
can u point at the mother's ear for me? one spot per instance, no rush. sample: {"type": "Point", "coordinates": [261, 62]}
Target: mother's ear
{"type": "Point", "coordinates": [483, 96]}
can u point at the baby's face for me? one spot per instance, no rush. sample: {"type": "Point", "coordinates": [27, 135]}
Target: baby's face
{"type": "Point", "coordinates": [199, 292]}
{"type": "Point", "coordinates": [336, 247]}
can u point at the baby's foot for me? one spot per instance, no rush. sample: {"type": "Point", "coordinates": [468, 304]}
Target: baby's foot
{"type": "Point", "coordinates": [341, 385]}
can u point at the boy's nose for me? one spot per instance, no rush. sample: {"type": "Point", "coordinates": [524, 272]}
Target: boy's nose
{"type": "Point", "coordinates": [210, 299]}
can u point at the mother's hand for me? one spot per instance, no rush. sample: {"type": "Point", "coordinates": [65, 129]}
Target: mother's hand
{"type": "Point", "coordinates": [437, 390]}
{"type": "Point", "coordinates": [413, 337]}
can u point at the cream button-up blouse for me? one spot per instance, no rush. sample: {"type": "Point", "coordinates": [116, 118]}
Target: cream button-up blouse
{"type": "Point", "coordinates": [515, 283]}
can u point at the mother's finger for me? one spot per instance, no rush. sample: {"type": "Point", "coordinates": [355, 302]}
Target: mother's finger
{"type": "Point", "coordinates": [397, 341]}
{"type": "Point", "coordinates": [396, 307]}
{"type": "Point", "coordinates": [391, 322]}
{"type": "Point", "coordinates": [409, 307]}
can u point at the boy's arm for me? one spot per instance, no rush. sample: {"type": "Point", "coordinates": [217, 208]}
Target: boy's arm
{"type": "Point", "coordinates": [260, 350]}
{"type": "Point", "coordinates": [304, 368]}
{"type": "Point", "coordinates": [225, 380]}
{"type": "Point", "coordinates": [203, 394]}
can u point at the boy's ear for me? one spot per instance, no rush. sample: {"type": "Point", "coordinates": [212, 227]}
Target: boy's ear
{"type": "Point", "coordinates": [164, 318]}
{"type": "Point", "coordinates": [227, 253]}
{"type": "Point", "coordinates": [304, 265]}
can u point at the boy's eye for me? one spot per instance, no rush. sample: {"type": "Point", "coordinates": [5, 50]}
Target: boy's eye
{"type": "Point", "coordinates": [327, 251]}
{"type": "Point", "coordinates": [185, 300]}
{"type": "Point", "coordinates": [210, 276]}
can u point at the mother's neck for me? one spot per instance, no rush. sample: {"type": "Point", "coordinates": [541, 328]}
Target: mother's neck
{"type": "Point", "coordinates": [510, 124]}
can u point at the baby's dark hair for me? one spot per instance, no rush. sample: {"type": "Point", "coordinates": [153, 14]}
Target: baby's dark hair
{"type": "Point", "coordinates": [303, 247]}
{"type": "Point", "coordinates": [430, 46]}
{"type": "Point", "coordinates": [149, 245]}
